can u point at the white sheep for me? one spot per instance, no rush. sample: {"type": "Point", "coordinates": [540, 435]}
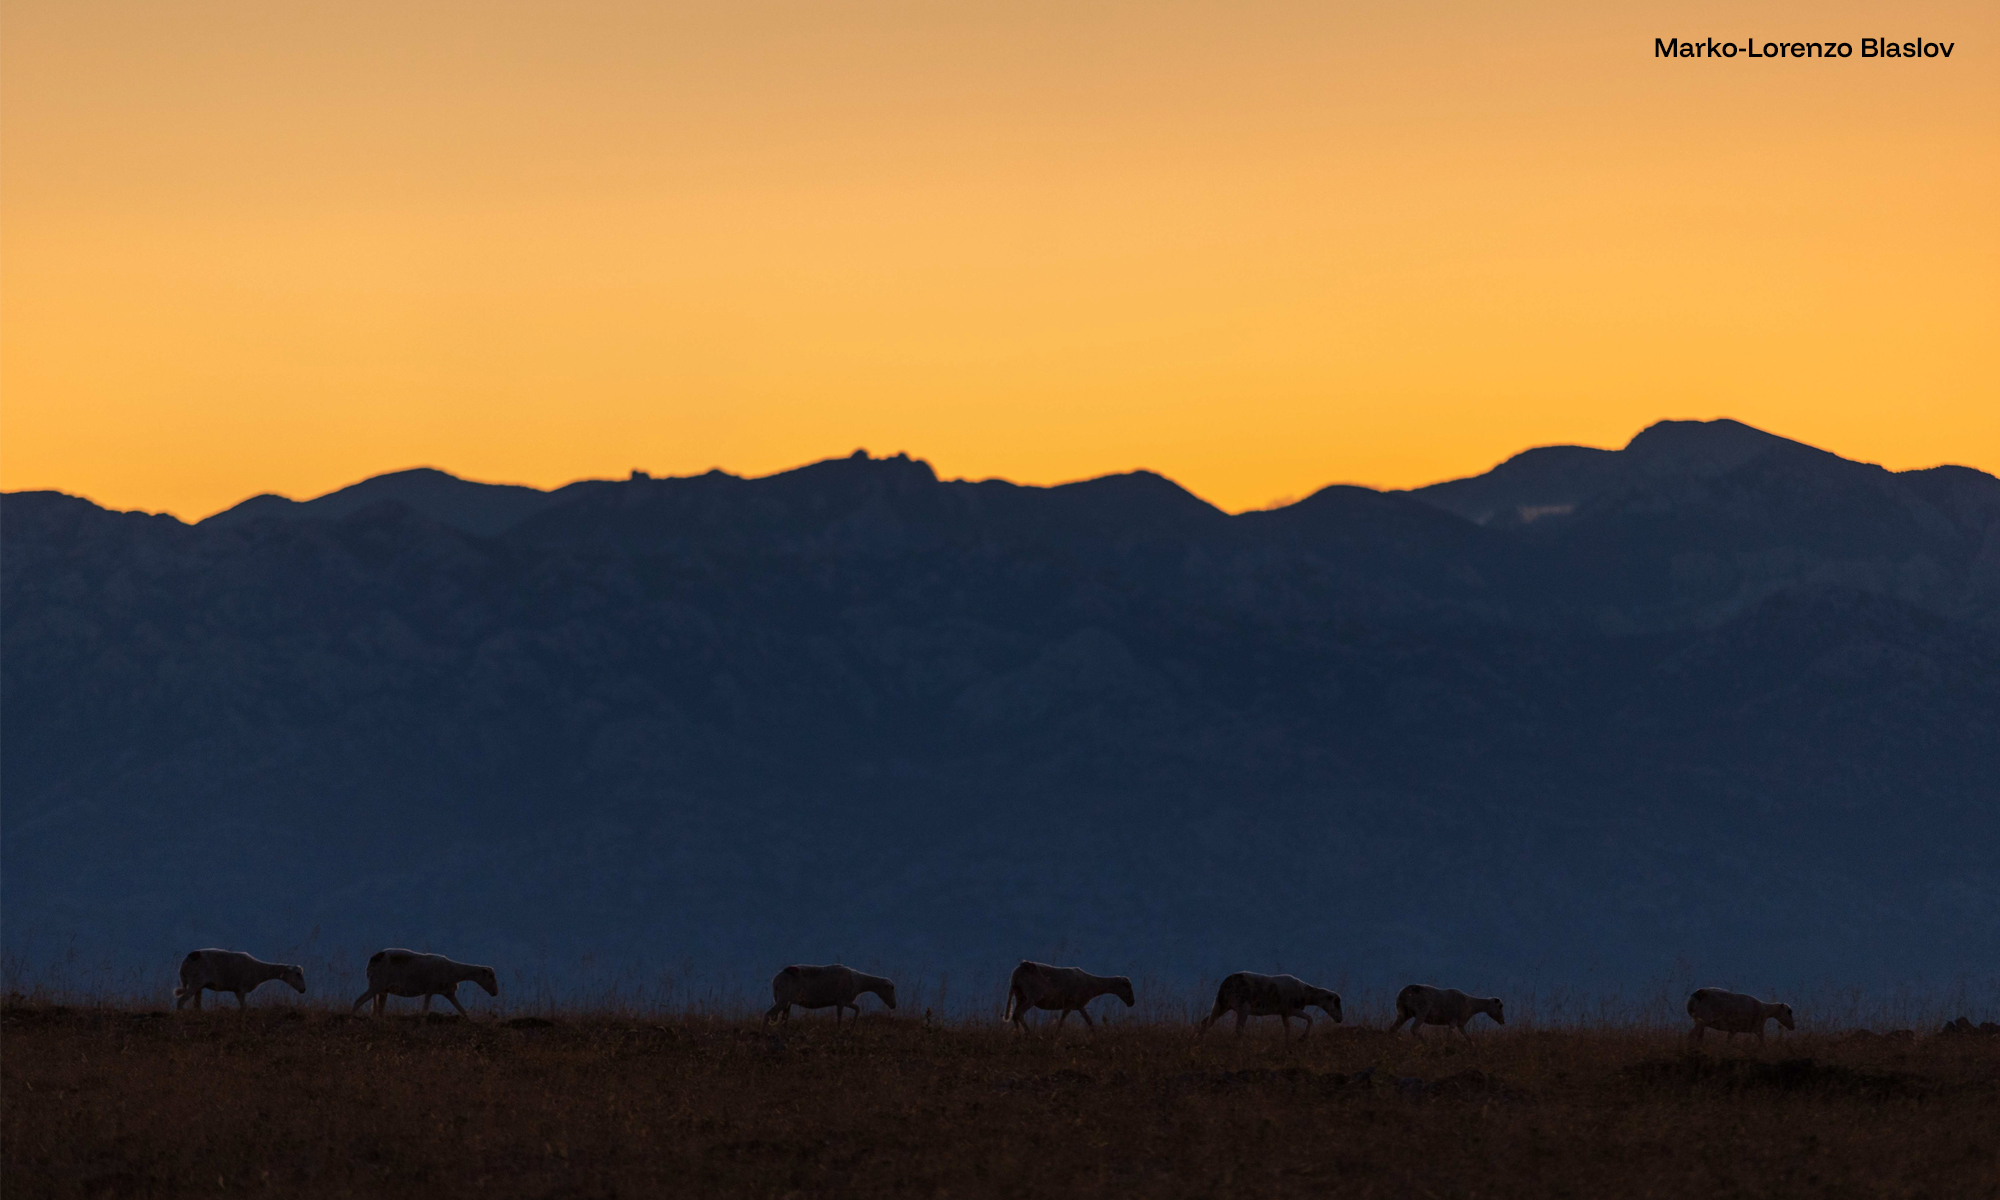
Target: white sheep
{"type": "Point", "coordinates": [1425, 1005]}
{"type": "Point", "coordinates": [230, 971]}
{"type": "Point", "coordinates": [1059, 989]}
{"type": "Point", "coordinates": [1283, 996]}
{"type": "Point", "coordinates": [832, 986]}
{"type": "Point", "coordinates": [397, 972]}
{"type": "Point", "coordinates": [1733, 1013]}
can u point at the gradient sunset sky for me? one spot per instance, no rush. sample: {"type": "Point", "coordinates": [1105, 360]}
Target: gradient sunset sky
{"type": "Point", "coordinates": [1257, 247]}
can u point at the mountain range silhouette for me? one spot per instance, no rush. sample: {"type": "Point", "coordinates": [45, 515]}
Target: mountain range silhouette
{"type": "Point", "coordinates": [1716, 702]}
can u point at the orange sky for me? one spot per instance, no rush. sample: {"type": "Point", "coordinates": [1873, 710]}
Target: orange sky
{"type": "Point", "coordinates": [1258, 247]}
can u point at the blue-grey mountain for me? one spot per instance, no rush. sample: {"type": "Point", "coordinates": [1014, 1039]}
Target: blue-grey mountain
{"type": "Point", "coordinates": [1717, 699]}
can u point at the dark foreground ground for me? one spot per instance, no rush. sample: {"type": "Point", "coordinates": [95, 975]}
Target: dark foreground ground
{"type": "Point", "coordinates": [308, 1103]}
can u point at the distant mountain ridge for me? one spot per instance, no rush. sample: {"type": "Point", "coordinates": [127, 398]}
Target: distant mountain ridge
{"type": "Point", "coordinates": [477, 508]}
{"type": "Point", "coordinates": [1718, 698]}
{"type": "Point", "coordinates": [1739, 512]}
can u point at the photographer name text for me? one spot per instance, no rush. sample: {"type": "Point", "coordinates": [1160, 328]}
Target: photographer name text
{"type": "Point", "coordinates": [1753, 48]}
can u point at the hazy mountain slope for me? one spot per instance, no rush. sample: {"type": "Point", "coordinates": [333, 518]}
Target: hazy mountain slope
{"type": "Point", "coordinates": [853, 711]}
{"type": "Point", "coordinates": [1693, 522]}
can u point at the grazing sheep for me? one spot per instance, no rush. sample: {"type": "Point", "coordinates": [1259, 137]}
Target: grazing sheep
{"type": "Point", "coordinates": [1282, 996]}
{"type": "Point", "coordinates": [1733, 1013]}
{"type": "Point", "coordinates": [396, 972]}
{"type": "Point", "coordinates": [835, 987]}
{"type": "Point", "coordinates": [1424, 1005]}
{"type": "Point", "coordinates": [230, 971]}
{"type": "Point", "coordinates": [1059, 989]}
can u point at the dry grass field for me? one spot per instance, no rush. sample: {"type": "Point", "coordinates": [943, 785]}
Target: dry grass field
{"type": "Point", "coordinates": [306, 1102]}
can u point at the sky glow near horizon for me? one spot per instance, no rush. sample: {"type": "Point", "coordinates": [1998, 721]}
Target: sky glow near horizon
{"type": "Point", "coordinates": [1258, 248]}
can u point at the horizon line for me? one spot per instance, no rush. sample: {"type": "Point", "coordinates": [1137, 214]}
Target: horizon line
{"type": "Point", "coordinates": [641, 473]}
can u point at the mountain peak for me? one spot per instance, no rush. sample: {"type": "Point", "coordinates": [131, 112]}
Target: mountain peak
{"type": "Point", "coordinates": [1555, 481]}
{"type": "Point", "coordinates": [478, 508]}
{"type": "Point", "coordinates": [1703, 447]}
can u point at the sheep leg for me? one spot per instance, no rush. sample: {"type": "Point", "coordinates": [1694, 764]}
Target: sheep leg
{"type": "Point", "coordinates": [365, 996]}
{"type": "Point", "coordinates": [381, 1003]}
{"type": "Point", "coordinates": [427, 1002]}
{"type": "Point", "coordinates": [1242, 1019]}
{"type": "Point", "coordinates": [1401, 1017]}
{"type": "Point", "coordinates": [1085, 1014]}
{"type": "Point", "coordinates": [240, 1003]}
{"type": "Point", "coordinates": [1462, 1033]}
{"type": "Point", "coordinates": [1307, 1018]}
{"type": "Point", "coordinates": [1695, 1037]}
{"type": "Point", "coordinates": [1285, 1019]}
{"type": "Point", "coordinates": [452, 996]}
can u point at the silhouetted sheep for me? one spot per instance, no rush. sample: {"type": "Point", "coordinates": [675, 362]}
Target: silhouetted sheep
{"type": "Point", "coordinates": [397, 972]}
{"type": "Point", "coordinates": [1059, 989]}
{"type": "Point", "coordinates": [834, 986]}
{"type": "Point", "coordinates": [1282, 996]}
{"type": "Point", "coordinates": [1733, 1013]}
{"type": "Point", "coordinates": [230, 971]}
{"type": "Point", "coordinates": [1424, 1005]}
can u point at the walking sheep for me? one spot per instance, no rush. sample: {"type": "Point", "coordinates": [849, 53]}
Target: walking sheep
{"type": "Point", "coordinates": [230, 971]}
{"type": "Point", "coordinates": [396, 972]}
{"type": "Point", "coordinates": [833, 986]}
{"type": "Point", "coordinates": [1282, 996]}
{"type": "Point", "coordinates": [1733, 1013]}
{"type": "Point", "coordinates": [1424, 1005]}
{"type": "Point", "coordinates": [1059, 989]}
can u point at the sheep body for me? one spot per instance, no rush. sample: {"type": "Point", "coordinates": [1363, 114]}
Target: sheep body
{"type": "Point", "coordinates": [1248, 995]}
{"type": "Point", "coordinates": [1733, 1013]}
{"type": "Point", "coordinates": [230, 971]}
{"type": "Point", "coordinates": [1064, 990]}
{"type": "Point", "coordinates": [831, 986]}
{"type": "Point", "coordinates": [399, 972]}
{"type": "Point", "coordinates": [1424, 1005]}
